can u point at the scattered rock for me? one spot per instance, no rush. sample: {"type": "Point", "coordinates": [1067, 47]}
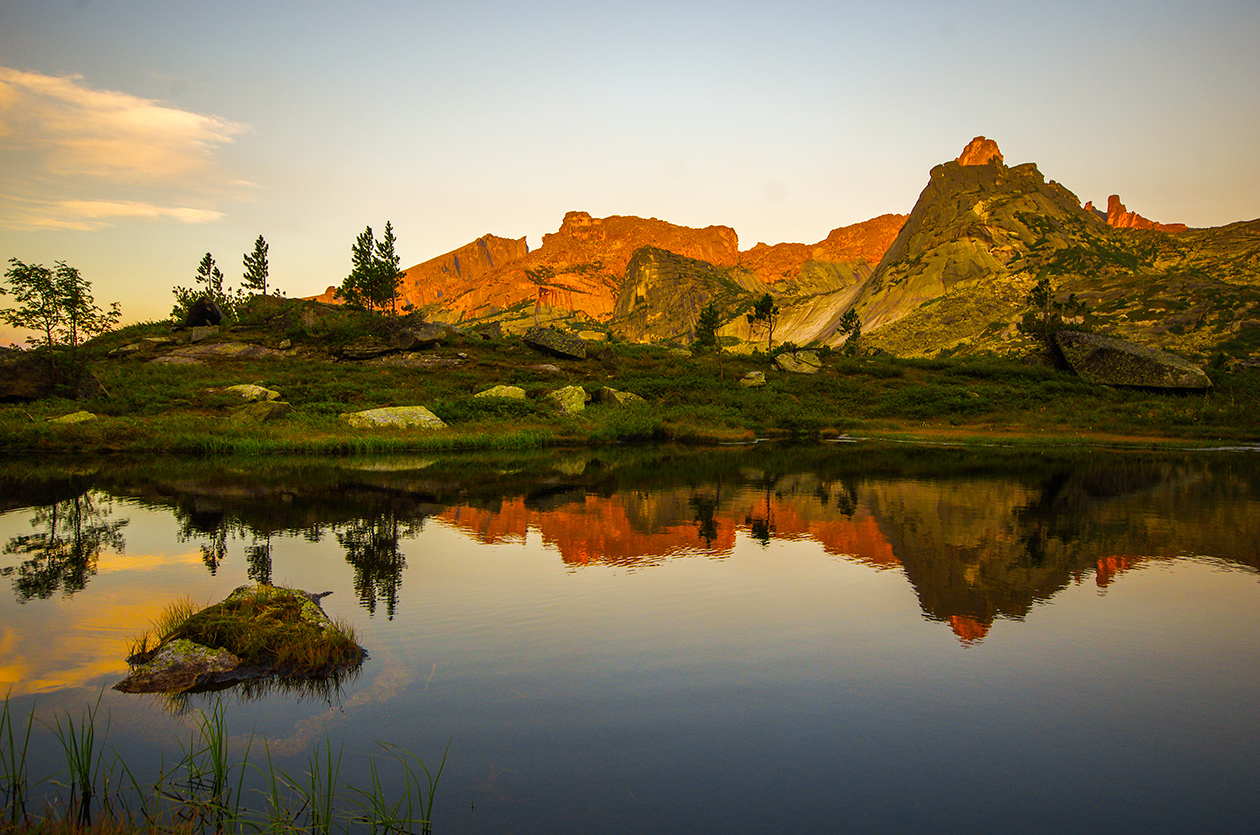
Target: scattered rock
{"type": "Point", "coordinates": [799, 362]}
{"type": "Point", "coordinates": [592, 336]}
{"type": "Point", "coordinates": [285, 344]}
{"type": "Point", "coordinates": [169, 360]}
{"type": "Point", "coordinates": [365, 348]}
{"type": "Point", "coordinates": [753, 379]}
{"type": "Point", "coordinates": [557, 344]}
{"type": "Point", "coordinates": [514, 392]}
{"type": "Point", "coordinates": [618, 398]}
{"type": "Point", "coordinates": [260, 411]}
{"type": "Point", "coordinates": [1115, 362]}
{"type": "Point", "coordinates": [570, 399]}
{"type": "Point", "coordinates": [74, 417]}
{"type": "Point", "coordinates": [399, 416]}
{"type": "Point", "coordinates": [422, 336]}
{"type": "Point", "coordinates": [254, 393]}
{"type": "Point", "coordinates": [414, 360]}
{"type": "Point", "coordinates": [490, 330]}
{"type": "Point", "coordinates": [199, 333]}
{"type": "Point", "coordinates": [546, 368]}
{"type": "Point", "coordinates": [679, 352]}
{"type": "Point", "coordinates": [224, 350]}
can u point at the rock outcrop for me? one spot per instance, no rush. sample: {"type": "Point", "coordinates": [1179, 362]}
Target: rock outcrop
{"type": "Point", "coordinates": [979, 151]}
{"type": "Point", "coordinates": [1120, 218]}
{"type": "Point", "coordinates": [1115, 362]}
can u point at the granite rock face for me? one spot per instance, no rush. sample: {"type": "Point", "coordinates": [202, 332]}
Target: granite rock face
{"type": "Point", "coordinates": [1115, 362]}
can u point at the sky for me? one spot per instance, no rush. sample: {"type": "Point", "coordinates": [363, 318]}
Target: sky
{"type": "Point", "coordinates": [137, 136]}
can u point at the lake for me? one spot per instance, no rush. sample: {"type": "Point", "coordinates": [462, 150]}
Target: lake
{"type": "Point", "coordinates": [850, 637]}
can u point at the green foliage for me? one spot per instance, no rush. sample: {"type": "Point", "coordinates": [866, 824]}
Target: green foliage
{"type": "Point", "coordinates": [851, 325]}
{"type": "Point", "coordinates": [1048, 315]}
{"type": "Point", "coordinates": [208, 284]}
{"type": "Point", "coordinates": [57, 304]}
{"type": "Point", "coordinates": [707, 326]}
{"type": "Point", "coordinates": [764, 313]}
{"type": "Point", "coordinates": [374, 274]}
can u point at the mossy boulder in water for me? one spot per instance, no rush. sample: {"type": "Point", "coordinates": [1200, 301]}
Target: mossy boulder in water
{"type": "Point", "coordinates": [256, 631]}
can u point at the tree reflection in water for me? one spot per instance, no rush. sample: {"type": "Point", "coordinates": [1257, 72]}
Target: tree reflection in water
{"type": "Point", "coordinates": [63, 555]}
{"type": "Point", "coordinates": [372, 548]}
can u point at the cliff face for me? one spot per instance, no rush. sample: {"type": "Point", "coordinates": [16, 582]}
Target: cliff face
{"type": "Point", "coordinates": [458, 270]}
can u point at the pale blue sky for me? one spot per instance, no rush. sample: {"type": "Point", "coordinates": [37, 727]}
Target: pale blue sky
{"type": "Point", "coordinates": [136, 136]}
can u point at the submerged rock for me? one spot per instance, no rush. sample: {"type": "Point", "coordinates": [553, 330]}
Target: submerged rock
{"type": "Point", "coordinates": [244, 637]}
{"type": "Point", "coordinates": [1114, 362]}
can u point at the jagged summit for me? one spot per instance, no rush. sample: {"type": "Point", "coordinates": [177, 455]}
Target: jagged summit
{"type": "Point", "coordinates": [979, 151]}
{"type": "Point", "coordinates": [1119, 217]}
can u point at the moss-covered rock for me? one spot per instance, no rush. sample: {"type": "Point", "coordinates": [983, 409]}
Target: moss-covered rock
{"type": "Point", "coordinates": [1114, 362]}
{"type": "Point", "coordinates": [255, 631]}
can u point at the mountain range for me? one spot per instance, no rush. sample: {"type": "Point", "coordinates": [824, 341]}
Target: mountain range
{"type": "Point", "coordinates": [952, 276]}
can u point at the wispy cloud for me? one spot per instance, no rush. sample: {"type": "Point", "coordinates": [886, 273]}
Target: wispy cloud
{"type": "Point", "coordinates": [88, 215]}
{"type": "Point", "coordinates": [58, 135]}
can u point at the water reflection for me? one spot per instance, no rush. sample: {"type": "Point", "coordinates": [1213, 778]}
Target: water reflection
{"type": "Point", "coordinates": [63, 553]}
{"type": "Point", "coordinates": [979, 534]}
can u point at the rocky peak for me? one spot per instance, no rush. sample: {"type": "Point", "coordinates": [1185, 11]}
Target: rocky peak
{"type": "Point", "coordinates": [979, 151]}
{"type": "Point", "coordinates": [1121, 218]}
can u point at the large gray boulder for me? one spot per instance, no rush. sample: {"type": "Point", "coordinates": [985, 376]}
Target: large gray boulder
{"type": "Point", "coordinates": [607, 394]}
{"type": "Point", "coordinates": [1115, 362]}
{"type": "Point", "coordinates": [570, 399]}
{"type": "Point", "coordinates": [396, 416]}
{"type": "Point", "coordinates": [799, 362]}
{"type": "Point", "coordinates": [419, 337]}
{"type": "Point", "coordinates": [557, 344]}
{"type": "Point", "coordinates": [511, 392]}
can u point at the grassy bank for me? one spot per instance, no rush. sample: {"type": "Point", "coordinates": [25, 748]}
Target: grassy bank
{"type": "Point", "coordinates": [183, 408]}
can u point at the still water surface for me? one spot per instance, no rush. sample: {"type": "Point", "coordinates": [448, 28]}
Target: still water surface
{"type": "Point", "coordinates": [809, 639]}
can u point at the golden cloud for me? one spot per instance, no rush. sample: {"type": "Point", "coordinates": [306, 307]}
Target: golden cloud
{"type": "Point", "coordinates": [102, 133]}
{"type": "Point", "coordinates": [58, 135]}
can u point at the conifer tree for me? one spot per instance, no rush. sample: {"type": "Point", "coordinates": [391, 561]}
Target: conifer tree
{"type": "Point", "coordinates": [255, 277]}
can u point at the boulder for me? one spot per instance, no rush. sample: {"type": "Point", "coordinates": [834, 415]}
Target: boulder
{"type": "Point", "coordinates": [253, 393]}
{"type": "Point", "coordinates": [223, 350]}
{"type": "Point", "coordinates": [1115, 362]}
{"type": "Point", "coordinates": [398, 416]}
{"type": "Point", "coordinates": [365, 348]}
{"type": "Point", "coordinates": [74, 417]}
{"type": "Point", "coordinates": [199, 655]}
{"type": "Point", "coordinates": [618, 398]}
{"type": "Point", "coordinates": [557, 344]}
{"type": "Point", "coordinates": [679, 352]}
{"type": "Point", "coordinates": [570, 400]}
{"type": "Point", "coordinates": [753, 379]}
{"type": "Point", "coordinates": [546, 368]}
{"type": "Point", "coordinates": [490, 330]}
{"type": "Point", "coordinates": [422, 336]}
{"type": "Point", "coordinates": [202, 313]}
{"type": "Point", "coordinates": [24, 376]}
{"type": "Point", "coordinates": [513, 392]}
{"type": "Point", "coordinates": [179, 666]}
{"type": "Point", "coordinates": [799, 362]}
{"type": "Point", "coordinates": [202, 332]}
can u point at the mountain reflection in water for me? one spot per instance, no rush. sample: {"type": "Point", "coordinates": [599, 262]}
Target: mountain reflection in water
{"type": "Point", "coordinates": [979, 534]}
{"type": "Point", "coordinates": [867, 638]}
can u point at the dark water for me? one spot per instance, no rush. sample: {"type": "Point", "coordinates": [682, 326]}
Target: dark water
{"type": "Point", "coordinates": [775, 638]}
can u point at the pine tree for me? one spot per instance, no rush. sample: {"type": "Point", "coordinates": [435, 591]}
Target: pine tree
{"type": "Point", "coordinates": [255, 277]}
{"type": "Point", "coordinates": [852, 325]}
{"type": "Point", "coordinates": [355, 289]}
{"type": "Point", "coordinates": [388, 276]}
{"type": "Point", "coordinates": [765, 311]}
{"type": "Point", "coordinates": [707, 326]}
